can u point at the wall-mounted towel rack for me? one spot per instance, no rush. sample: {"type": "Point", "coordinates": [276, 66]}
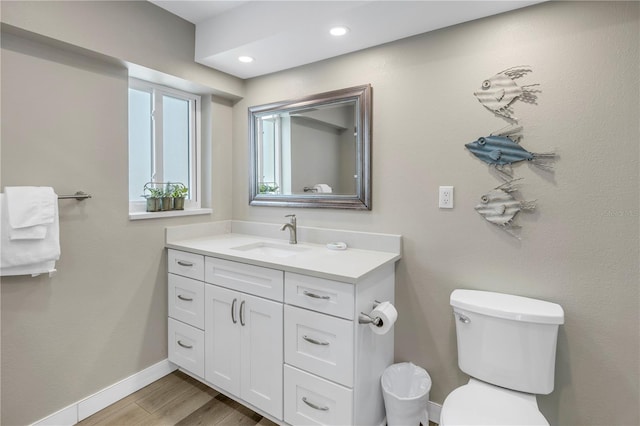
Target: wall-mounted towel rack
{"type": "Point", "coordinates": [80, 195]}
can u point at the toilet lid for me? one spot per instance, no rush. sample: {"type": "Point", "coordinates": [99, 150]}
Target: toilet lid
{"type": "Point", "coordinates": [479, 403]}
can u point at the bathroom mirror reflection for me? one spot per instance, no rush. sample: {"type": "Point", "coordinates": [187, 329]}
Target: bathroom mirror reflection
{"type": "Point", "coordinates": [313, 151]}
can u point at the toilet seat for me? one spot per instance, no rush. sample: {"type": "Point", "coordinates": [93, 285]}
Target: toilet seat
{"type": "Point", "coordinates": [480, 403]}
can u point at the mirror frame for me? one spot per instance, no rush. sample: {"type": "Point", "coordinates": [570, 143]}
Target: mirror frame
{"type": "Point", "coordinates": [359, 201]}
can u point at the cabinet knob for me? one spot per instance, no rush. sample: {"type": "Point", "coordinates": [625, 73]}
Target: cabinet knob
{"type": "Point", "coordinates": [184, 263]}
{"type": "Point", "coordinates": [186, 299]}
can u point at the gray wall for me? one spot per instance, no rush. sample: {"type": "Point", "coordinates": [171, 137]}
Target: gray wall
{"type": "Point", "coordinates": [320, 143]}
{"type": "Point", "coordinates": [135, 32]}
{"type": "Point", "coordinates": [579, 248]}
{"type": "Point", "coordinates": [102, 317]}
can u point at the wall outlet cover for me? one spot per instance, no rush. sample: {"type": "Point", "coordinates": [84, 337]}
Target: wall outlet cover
{"type": "Point", "coordinates": [445, 199]}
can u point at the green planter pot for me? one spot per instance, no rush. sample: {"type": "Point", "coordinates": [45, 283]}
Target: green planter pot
{"type": "Point", "coordinates": [153, 204]}
{"type": "Point", "coordinates": [178, 203]}
{"type": "Point", "coordinates": [167, 203]}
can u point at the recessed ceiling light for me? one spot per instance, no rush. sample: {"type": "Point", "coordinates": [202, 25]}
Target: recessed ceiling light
{"type": "Point", "coordinates": [245, 59]}
{"type": "Point", "coordinates": [338, 31]}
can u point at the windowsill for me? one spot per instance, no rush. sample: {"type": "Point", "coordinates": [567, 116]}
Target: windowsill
{"type": "Point", "coordinates": [168, 213]}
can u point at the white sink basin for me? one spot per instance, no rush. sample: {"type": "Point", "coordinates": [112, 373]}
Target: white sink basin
{"type": "Point", "coordinates": [271, 249]}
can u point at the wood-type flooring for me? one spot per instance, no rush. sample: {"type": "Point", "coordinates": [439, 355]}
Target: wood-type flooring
{"type": "Point", "coordinates": [179, 400]}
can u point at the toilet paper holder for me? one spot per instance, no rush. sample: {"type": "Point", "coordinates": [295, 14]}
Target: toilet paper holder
{"type": "Point", "coordinates": [368, 319]}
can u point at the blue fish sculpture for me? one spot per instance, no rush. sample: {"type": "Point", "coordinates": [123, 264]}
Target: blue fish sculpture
{"type": "Point", "coordinates": [501, 151]}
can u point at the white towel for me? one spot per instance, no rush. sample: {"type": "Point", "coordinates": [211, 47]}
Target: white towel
{"type": "Point", "coordinates": [30, 205]}
{"type": "Point", "coordinates": [30, 209]}
{"type": "Point", "coordinates": [37, 232]}
{"type": "Point", "coordinates": [32, 256]}
{"type": "Point", "coordinates": [33, 270]}
{"type": "Point", "coordinates": [322, 188]}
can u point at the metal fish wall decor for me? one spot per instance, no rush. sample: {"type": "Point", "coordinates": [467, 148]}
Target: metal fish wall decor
{"type": "Point", "coordinates": [500, 207]}
{"type": "Point", "coordinates": [501, 151]}
{"type": "Point", "coordinates": [499, 92]}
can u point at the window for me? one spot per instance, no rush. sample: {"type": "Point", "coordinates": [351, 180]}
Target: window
{"type": "Point", "coordinates": [163, 141]}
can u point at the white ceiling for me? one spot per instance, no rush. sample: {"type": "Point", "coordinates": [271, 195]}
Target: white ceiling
{"type": "Point", "coordinates": [286, 34]}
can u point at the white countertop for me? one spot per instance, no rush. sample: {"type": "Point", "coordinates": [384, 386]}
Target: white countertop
{"type": "Point", "coordinates": [349, 265]}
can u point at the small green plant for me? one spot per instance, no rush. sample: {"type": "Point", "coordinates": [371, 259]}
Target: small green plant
{"type": "Point", "coordinates": [153, 196]}
{"type": "Point", "coordinates": [179, 190]}
{"type": "Point", "coordinates": [153, 192]}
{"type": "Point", "coordinates": [165, 196]}
{"type": "Point", "coordinates": [265, 188]}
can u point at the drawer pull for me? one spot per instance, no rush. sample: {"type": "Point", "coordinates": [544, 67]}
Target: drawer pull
{"type": "Point", "coordinates": [314, 406]}
{"type": "Point", "coordinates": [185, 263]}
{"type": "Point", "coordinates": [242, 313]}
{"type": "Point", "coordinates": [314, 341]}
{"type": "Point", "coordinates": [186, 299]}
{"type": "Point", "coordinates": [185, 346]}
{"type": "Point", "coordinates": [316, 296]}
{"type": "Point", "coordinates": [233, 310]}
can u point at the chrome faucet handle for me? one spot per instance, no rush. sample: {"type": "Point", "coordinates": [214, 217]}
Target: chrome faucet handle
{"type": "Point", "coordinates": [293, 218]}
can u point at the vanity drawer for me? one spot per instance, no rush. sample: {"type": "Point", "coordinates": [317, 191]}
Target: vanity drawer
{"type": "Point", "coordinates": [319, 294]}
{"type": "Point", "coordinates": [186, 300]}
{"type": "Point", "coordinates": [250, 279]}
{"type": "Point", "coordinates": [320, 344]}
{"type": "Point", "coordinates": [186, 347]}
{"type": "Point", "coordinates": [310, 400]}
{"type": "Point", "coordinates": [186, 264]}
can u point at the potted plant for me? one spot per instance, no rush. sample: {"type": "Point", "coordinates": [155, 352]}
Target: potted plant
{"type": "Point", "coordinates": [267, 188]}
{"type": "Point", "coordinates": [179, 192]}
{"type": "Point", "coordinates": [167, 199]}
{"type": "Point", "coordinates": [153, 198]}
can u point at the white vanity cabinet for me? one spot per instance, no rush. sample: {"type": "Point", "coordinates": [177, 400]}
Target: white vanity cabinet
{"type": "Point", "coordinates": [280, 335]}
{"type": "Point", "coordinates": [223, 335]}
{"type": "Point", "coordinates": [186, 311]}
{"type": "Point", "coordinates": [333, 364]}
{"type": "Point", "coordinates": [243, 333]}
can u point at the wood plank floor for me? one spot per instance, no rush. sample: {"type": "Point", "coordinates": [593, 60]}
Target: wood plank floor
{"type": "Point", "coordinates": [176, 399]}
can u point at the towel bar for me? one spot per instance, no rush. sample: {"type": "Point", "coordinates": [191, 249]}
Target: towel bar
{"type": "Point", "coordinates": [78, 196]}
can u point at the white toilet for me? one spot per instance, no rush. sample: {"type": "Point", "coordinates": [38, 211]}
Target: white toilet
{"type": "Point", "coordinates": [507, 344]}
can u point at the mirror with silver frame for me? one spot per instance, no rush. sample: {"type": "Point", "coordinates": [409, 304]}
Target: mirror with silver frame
{"type": "Point", "coordinates": [312, 152]}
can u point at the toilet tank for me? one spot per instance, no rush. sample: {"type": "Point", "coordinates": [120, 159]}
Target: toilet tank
{"type": "Point", "coordinates": [509, 341]}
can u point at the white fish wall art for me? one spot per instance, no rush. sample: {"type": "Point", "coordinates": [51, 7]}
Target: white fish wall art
{"type": "Point", "coordinates": [500, 207]}
{"type": "Point", "coordinates": [499, 92]}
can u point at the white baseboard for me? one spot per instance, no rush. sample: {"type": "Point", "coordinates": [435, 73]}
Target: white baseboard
{"type": "Point", "coordinates": [90, 405]}
{"type": "Point", "coordinates": [84, 408]}
{"type": "Point", "coordinates": [434, 411]}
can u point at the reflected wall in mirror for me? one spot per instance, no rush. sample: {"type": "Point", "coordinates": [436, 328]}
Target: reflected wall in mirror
{"type": "Point", "coordinates": [312, 152]}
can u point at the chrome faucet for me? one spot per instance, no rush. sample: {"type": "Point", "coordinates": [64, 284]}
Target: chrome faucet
{"type": "Point", "coordinates": [293, 229]}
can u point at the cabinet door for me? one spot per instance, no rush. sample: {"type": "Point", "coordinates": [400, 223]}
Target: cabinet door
{"type": "Point", "coordinates": [186, 347]}
{"type": "Point", "coordinates": [188, 265]}
{"type": "Point", "coordinates": [320, 344]}
{"type": "Point", "coordinates": [222, 338]}
{"type": "Point", "coordinates": [312, 400]}
{"type": "Point", "coordinates": [186, 300]}
{"type": "Point", "coordinates": [262, 353]}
